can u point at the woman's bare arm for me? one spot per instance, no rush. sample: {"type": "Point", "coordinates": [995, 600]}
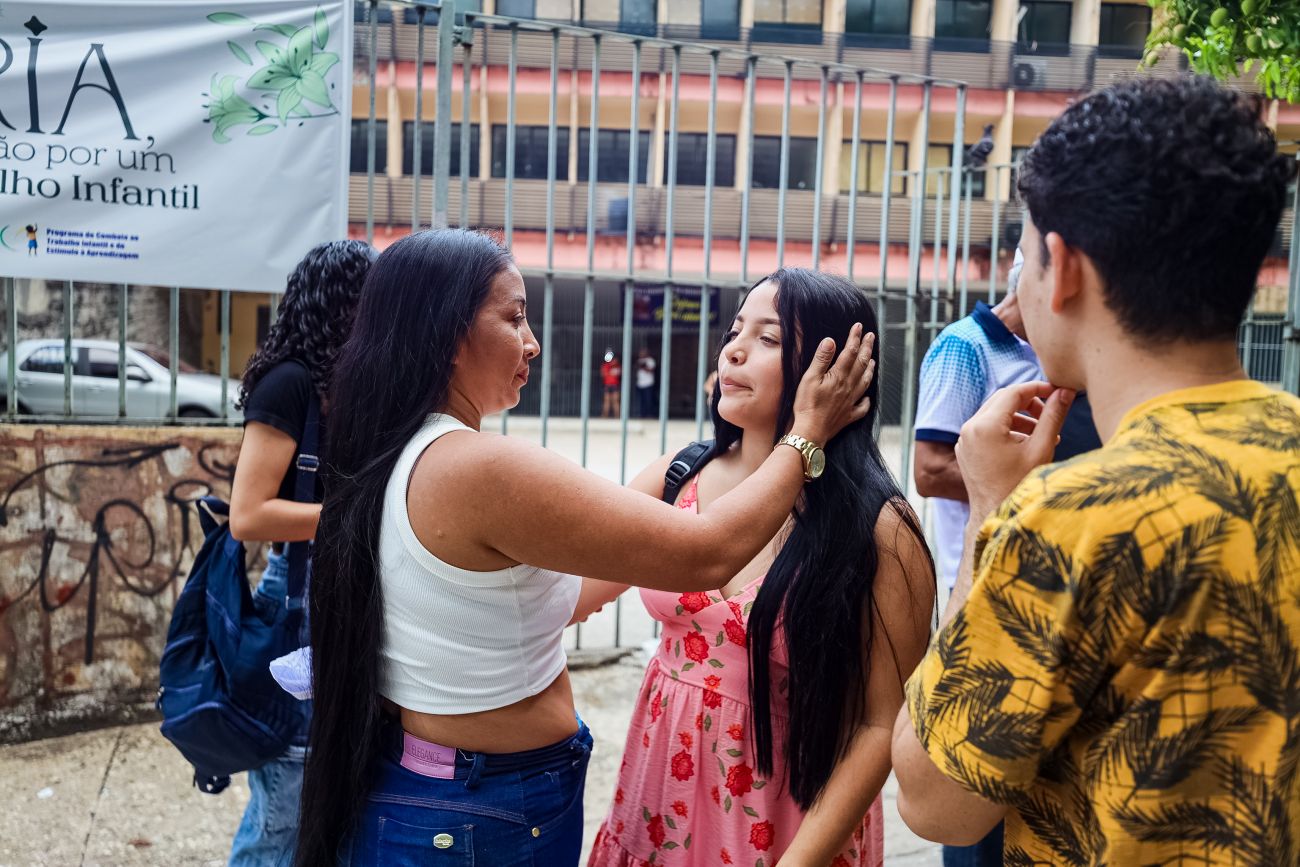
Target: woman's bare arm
{"type": "Point", "coordinates": [257, 513]}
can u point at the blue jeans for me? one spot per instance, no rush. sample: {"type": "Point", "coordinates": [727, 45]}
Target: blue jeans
{"type": "Point", "coordinates": [268, 833]}
{"type": "Point", "coordinates": [985, 853]}
{"type": "Point", "coordinates": [503, 810]}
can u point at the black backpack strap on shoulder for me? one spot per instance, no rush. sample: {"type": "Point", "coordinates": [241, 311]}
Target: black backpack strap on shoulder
{"type": "Point", "coordinates": [306, 467]}
{"type": "Point", "coordinates": [685, 464]}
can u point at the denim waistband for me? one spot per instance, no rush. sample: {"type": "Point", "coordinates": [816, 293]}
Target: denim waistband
{"type": "Point", "coordinates": [394, 738]}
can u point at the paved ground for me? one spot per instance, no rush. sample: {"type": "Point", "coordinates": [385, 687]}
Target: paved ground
{"type": "Point", "coordinates": [122, 795]}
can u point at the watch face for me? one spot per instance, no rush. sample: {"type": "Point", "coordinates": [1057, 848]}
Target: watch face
{"type": "Point", "coordinates": [816, 463]}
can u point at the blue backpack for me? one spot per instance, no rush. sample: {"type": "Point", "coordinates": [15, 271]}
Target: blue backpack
{"type": "Point", "coordinates": [220, 706]}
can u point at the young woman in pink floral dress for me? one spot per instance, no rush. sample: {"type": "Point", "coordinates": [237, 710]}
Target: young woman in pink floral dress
{"type": "Point", "coordinates": [761, 733]}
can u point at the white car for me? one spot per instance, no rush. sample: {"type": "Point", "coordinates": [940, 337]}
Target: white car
{"type": "Point", "coordinates": [94, 382]}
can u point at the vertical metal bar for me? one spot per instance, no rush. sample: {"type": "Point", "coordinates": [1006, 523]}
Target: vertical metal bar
{"type": "Point", "coordinates": [916, 242]}
{"type": "Point", "coordinates": [784, 182]}
{"type": "Point", "coordinates": [932, 323]}
{"type": "Point", "coordinates": [442, 121]}
{"type": "Point", "coordinates": [633, 158]}
{"type": "Point", "coordinates": [751, 80]}
{"type": "Point", "coordinates": [123, 323]}
{"type": "Point", "coordinates": [274, 305]}
{"type": "Point", "coordinates": [958, 161]}
{"type": "Point", "coordinates": [965, 248]}
{"type": "Point", "coordinates": [706, 291]}
{"type": "Point", "coordinates": [548, 308]}
{"type": "Point", "coordinates": [1248, 338]}
{"type": "Point", "coordinates": [886, 195]}
{"type": "Point", "coordinates": [466, 101]}
{"type": "Point", "coordinates": [372, 15]}
{"type": "Point", "coordinates": [817, 179]}
{"type": "Point", "coordinates": [68, 320]}
{"type": "Point", "coordinates": [11, 361]}
{"type": "Point", "coordinates": [851, 235]}
{"type": "Point", "coordinates": [225, 353]}
{"type": "Point", "coordinates": [173, 347]}
{"type": "Point", "coordinates": [589, 289]}
{"type": "Point", "coordinates": [417, 153]}
{"type": "Point", "coordinates": [1291, 324]}
{"type": "Point", "coordinates": [666, 347]}
{"type": "Point", "coordinates": [633, 162]}
{"type": "Point", "coordinates": [996, 237]}
{"type": "Point", "coordinates": [511, 90]}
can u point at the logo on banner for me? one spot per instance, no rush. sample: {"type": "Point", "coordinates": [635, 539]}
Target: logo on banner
{"type": "Point", "coordinates": [290, 88]}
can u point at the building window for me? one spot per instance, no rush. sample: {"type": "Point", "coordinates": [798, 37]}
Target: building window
{"type": "Point", "coordinates": [517, 8]}
{"type": "Point", "coordinates": [361, 13]}
{"type": "Point", "coordinates": [1124, 30]}
{"type": "Point", "coordinates": [767, 163]}
{"type": "Point", "coordinates": [692, 159]}
{"type": "Point", "coordinates": [941, 156]}
{"type": "Point", "coordinates": [888, 18]}
{"type": "Point", "coordinates": [638, 16]}
{"type": "Point", "coordinates": [613, 147]}
{"type": "Point", "coordinates": [720, 19]}
{"type": "Point", "coordinates": [1044, 27]}
{"type": "Point", "coordinates": [871, 167]}
{"type": "Point", "coordinates": [962, 25]}
{"type": "Point", "coordinates": [530, 152]}
{"type": "Point", "coordinates": [795, 21]}
{"type": "Point", "coordinates": [357, 158]}
{"type": "Point", "coordinates": [426, 149]}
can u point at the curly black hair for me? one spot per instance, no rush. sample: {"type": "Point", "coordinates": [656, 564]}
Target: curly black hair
{"type": "Point", "coordinates": [315, 316]}
{"type": "Point", "coordinates": [1173, 188]}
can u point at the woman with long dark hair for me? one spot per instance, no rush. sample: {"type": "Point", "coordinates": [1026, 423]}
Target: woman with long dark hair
{"type": "Point", "coordinates": [444, 722]}
{"type": "Point", "coordinates": [282, 379]}
{"type": "Point", "coordinates": [762, 729]}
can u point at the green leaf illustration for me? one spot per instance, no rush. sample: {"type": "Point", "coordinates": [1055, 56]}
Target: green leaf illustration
{"type": "Point", "coordinates": [750, 811]}
{"type": "Point", "coordinates": [228, 18]}
{"type": "Point", "coordinates": [270, 51]}
{"type": "Point", "coordinates": [240, 53]}
{"type": "Point", "coordinates": [312, 87]}
{"type": "Point", "coordinates": [228, 109]}
{"type": "Point", "coordinates": [298, 55]}
{"type": "Point", "coordinates": [263, 129]}
{"type": "Point", "coordinates": [290, 98]}
{"type": "Point", "coordinates": [285, 30]}
{"type": "Point", "coordinates": [322, 29]}
{"type": "Point", "coordinates": [271, 78]}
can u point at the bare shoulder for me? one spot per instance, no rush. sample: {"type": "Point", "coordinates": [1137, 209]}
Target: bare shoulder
{"type": "Point", "coordinates": [899, 537]}
{"type": "Point", "coordinates": [651, 479]}
{"type": "Point", "coordinates": [483, 463]}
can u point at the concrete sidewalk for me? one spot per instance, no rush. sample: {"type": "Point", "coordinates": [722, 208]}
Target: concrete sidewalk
{"type": "Point", "coordinates": [123, 795]}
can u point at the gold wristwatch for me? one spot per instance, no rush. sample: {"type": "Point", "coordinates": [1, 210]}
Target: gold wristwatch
{"type": "Point", "coordinates": [814, 459]}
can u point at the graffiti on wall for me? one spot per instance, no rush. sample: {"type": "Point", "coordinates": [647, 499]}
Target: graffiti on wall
{"type": "Point", "coordinates": [97, 531]}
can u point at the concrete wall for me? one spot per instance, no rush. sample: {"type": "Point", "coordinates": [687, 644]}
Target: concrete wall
{"type": "Point", "coordinates": [96, 537]}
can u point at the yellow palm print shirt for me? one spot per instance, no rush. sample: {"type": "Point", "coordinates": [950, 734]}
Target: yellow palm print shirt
{"type": "Point", "coordinates": [1125, 675]}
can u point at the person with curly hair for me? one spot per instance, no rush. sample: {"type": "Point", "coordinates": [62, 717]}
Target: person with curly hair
{"type": "Point", "coordinates": [289, 372]}
{"type": "Point", "coordinates": [1118, 668]}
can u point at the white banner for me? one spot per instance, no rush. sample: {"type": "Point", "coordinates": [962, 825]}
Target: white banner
{"type": "Point", "coordinates": [199, 143]}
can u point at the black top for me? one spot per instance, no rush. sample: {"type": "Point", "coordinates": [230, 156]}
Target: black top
{"type": "Point", "coordinates": [280, 399]}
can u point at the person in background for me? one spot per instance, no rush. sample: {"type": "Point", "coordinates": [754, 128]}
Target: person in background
{"type": "Point", "coordinates": [762, 726]}
{"type": "Point", "coordinates": [611, 377]}
{"type": "Point", "coordinates": [281, 380]}
{"type": "Point", "coordinates": [1118, 669]}
{"type": "Point", "coordinates": [645, 384]}
{"type": "Point", "coordinates": [970, 360]}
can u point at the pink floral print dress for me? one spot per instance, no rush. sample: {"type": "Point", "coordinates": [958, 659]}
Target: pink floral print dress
{"type": "Point", "coordinates": [687, 793]}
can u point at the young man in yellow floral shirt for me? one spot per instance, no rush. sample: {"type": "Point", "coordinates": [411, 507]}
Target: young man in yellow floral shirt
{"type": "Point", "coordinates": [1118, 672]}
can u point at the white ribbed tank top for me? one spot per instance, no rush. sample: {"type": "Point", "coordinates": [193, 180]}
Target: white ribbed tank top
{"type": "Point", "coordinates": [457, 641]}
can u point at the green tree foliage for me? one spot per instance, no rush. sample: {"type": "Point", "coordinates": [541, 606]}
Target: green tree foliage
{"type": "Point", "coordinates": [1227, 38]}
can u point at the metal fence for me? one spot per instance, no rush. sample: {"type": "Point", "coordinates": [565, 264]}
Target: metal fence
{"type": "Point", "coordinates": [938, 247]}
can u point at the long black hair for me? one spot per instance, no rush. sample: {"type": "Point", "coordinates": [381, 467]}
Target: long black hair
{"type": "Point", "coordinates": [315, 315]}
{"type": "Point", "coordinates": [419, 300]}
{"type": "Point", "coordinates": [820, 589]}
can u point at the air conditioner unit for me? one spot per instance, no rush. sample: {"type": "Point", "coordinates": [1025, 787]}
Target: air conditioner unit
{"type": "Point", "coordinates": [1029, 73]}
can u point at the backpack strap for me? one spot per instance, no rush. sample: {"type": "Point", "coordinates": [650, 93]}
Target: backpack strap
{"type": "Point", "coordinates": [306, 467]}
{"type": "Point", "coordinates": [685, 464]}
